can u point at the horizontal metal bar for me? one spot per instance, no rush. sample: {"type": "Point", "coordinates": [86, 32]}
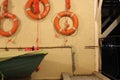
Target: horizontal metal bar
{"type": "Point", "coordinates": [38, 47]}
{"type": "Point", "coordinates": [91, 47]}
{"type": "Point", "coordinates": [106, 21]}
{"type": "Point", "coordinates": [111, 27]}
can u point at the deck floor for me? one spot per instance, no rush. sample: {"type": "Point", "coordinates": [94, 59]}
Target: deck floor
{"type": "Point", "coordinates": [72, 78]}
{"type": "Point", "coordinates": [94, 76]}
{"type": "Point", "coordinates": [89, 77]}
{"type": "Point", "coordinates": [85, 78]}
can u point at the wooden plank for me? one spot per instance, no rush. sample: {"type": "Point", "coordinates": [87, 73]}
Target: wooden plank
{"type": "Point", "coordinates": [97, 14]}
{"type": "Point", "coordinates": [111, 27]}
{"type": "Point", "coordinates": [95, 8]}
{"type": "Point", "coordinates": [97, 60]}
{"type": "Point", "coordinates": [99, 75]}
{"type": "Point", "coordinates": [85, 77]}
{"type": "Point", "coordinates": [99, 9]}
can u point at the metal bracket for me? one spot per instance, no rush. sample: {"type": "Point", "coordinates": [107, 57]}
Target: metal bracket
{"type": "Point", "coordinates": [91, 47]}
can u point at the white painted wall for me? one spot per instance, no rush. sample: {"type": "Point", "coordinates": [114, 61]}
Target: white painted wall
{"type": "Point", "coordinates": [56, 62]}
{"type": "Point", "coordinates": [26, 34]}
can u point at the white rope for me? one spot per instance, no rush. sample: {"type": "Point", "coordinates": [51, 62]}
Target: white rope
{"type": "Point", "coordinates": [47, 5]}
{"type": "Point", "coordinates": [10, 32]}
{"type": "Point", "coordinates": [72, 15]}
{"type": "Point", "coordinates": [15, 19]}
{"type": "Point", "coordinates": [39, 16]}
{"type": "Point", "coordinates": [74, 28]}
{"type": "Point", "coordinates": [27, 9]}
{"type": "Point", "coordinates": [60, 29]}
{"type": "Point", "coordinates": [58, 16]}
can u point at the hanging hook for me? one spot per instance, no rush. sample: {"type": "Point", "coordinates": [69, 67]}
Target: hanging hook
{"type": "Point", "coordinates": [19, 49]}
{"type": "Point", "coordinates": [6, 49]}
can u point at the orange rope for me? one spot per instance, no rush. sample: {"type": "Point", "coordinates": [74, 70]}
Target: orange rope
{"type": "Point", "coordinates": [37, 39]}
{"type": "Point", "coordinates": [68, 6]}
{"type": "Point", "coordinates": [65, 41]}
{"type": "Point", "coordinates": [5, 3]}
{"type": "Point", "coordinates": [9, 40]}
{"type": "Point", "coordinates": [67, 25]}
{"type": "Point", "coordinates": [36, 6]}
{"type": "Point", "coordinates": [5, 6]}
{"type": "Point", "coordinates": [56, 35]}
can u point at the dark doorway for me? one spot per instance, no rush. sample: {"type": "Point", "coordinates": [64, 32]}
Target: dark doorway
{"type": "Point", "coordinates": [111, 44]}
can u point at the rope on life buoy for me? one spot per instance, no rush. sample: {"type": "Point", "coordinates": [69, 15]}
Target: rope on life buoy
{"type": "Point", "coordinates": [37, 15]}
{"type": "Point", "coordinates": [67, 30]}
{"type": "Point", "coordinates": [36, 6]}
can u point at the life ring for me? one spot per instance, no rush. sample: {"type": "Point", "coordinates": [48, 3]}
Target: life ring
{"type": "Point", "coordinates": [15, 24]}
{"type": "Point", "coordinates": [37, 16]}
{"type": "Point", "coordinates": [68, 31]}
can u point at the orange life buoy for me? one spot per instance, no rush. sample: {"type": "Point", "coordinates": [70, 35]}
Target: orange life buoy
{"type": "Point", "coordinates": [64, 31]}
{"type": "Point", "coordinates": [37, 16]}
{"type": "Point", "coordinates": [15, 24]}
